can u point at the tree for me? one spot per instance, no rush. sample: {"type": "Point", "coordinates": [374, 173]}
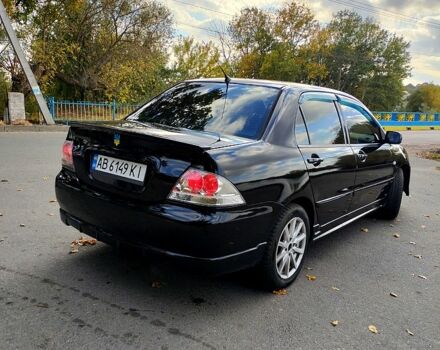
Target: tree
{"type": "Point", "coordinates": [366, 61]}
{"type": "Point", "coordinates": [101, 49]}
{"type": "Point", "coordinates": [195, 60]}
{"type": "Point", "coordinates": [426, 98]}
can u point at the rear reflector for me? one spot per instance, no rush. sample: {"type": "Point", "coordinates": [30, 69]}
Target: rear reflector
{"type": "Point", "coordinates": [204, 188]}
{"type": "Point", "coordinates": [67, 155]}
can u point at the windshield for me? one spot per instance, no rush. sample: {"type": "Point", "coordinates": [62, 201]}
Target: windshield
{"type": "Point", "coordinates": [204, 106]}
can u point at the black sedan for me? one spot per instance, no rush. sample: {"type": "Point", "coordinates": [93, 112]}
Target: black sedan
{"type": "Point", "coordinates": [231, 174]}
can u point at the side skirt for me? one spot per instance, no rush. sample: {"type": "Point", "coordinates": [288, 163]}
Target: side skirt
{"type": "Point", "coordinates": [320, 235]}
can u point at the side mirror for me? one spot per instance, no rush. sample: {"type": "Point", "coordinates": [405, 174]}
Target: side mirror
{"type": "Point", "coordinates": [393, 137]}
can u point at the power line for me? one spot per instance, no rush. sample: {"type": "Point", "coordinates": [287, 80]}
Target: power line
{"type": "Point", "coordinates": [203, 8]}
{"type": "Point", "coordinates": [377, 10]}
{"type": "Point", "coordinates": [200, 28]}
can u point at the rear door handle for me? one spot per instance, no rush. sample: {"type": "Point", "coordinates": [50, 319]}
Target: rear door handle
{"type": "Point", "coordinates": [315, 160]}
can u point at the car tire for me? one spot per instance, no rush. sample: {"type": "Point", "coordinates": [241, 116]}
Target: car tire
{"type": "Point", "coordinates": [284, 247]}
{"type": "Point", "coordinates": [394, 198]}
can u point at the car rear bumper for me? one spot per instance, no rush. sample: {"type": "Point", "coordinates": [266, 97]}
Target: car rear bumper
{"type": "Point", "coordinates": [221, 241]}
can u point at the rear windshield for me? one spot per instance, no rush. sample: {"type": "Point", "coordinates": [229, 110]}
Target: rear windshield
{"type": "Point", "coordinates": [241, 110]}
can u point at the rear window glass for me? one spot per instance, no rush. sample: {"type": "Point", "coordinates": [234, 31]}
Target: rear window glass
{"type": "Point", "coordinates": [241, 110]}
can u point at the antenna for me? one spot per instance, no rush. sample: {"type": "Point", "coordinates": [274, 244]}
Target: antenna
{"type": "Point", "coordinates": [227, 79]}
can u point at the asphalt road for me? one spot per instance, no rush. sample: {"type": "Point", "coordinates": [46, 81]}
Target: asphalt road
{"type": "Point", "coordinates": [98, 299]}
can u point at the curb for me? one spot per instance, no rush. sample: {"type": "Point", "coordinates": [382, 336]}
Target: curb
{"type": "Point", "coordinates": [34, 128]}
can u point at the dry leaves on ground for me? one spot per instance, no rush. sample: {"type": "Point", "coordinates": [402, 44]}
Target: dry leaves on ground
{"type": "Point", "coordinates": [335, 288]}
{"type": "Point", "coordinates": [423, 226]}
{"type": "Point", "coordinates": [82, 241]}
{"type": "Point", "coordinates": [422, 277]}
{"type": "Point", "coordinates": [373, 329]}
{"type": "Point", "coordinates": [1, 214]}
{"type": "Point", "coordinates": [334, 323]}
{"type": "Point", "coordinates": [311, 277]}
{"type": "Point", "coordinates": [396, 235]}
{"type": "Point", "coordinates": [364, 229]}
{"type": "Point", "coordinates": [52, 201]}
{"type": "Point", "coordinates": [156, 284]}
{"type": "Point", "coordinates": [45, 178]}
{"type": "Point", "coordinates": [413, 243]}
{"type": "Point", "coordinates": [393, 295]}
{"type": "Point", "coordinates": [280, 292]}
{"type": "Point", "coordinates": [418, 256]}
{"type": "Point", "coordinates": [409, 332]}
{"type": "Point", "coordinates": [22, 225]}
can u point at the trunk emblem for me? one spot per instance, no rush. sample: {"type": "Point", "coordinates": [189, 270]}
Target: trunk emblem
{"type": "Point", "coordinates": [117, 139]}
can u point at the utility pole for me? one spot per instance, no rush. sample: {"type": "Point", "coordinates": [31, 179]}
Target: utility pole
{"type": "Point", "coordinates": [25, 65]}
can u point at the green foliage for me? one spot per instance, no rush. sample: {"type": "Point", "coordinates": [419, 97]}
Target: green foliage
{"type": "Point", "coordinates": [351, 53]}
{"type": "Point", "coordinates": [195, 60]}
{"type": "Point", "coordinates": [121, 49]}
{"type": "Point", "coordinates": [101, 49]}
{"type": "Point", "coordinates": [426, 98]}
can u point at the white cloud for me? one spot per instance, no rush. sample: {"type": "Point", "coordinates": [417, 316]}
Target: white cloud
{"type": "Point", "coordinates": [408, 18]}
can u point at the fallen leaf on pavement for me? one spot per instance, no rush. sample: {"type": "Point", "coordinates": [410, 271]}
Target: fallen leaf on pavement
{"type": "Point", "coordinates": [280, 292]}
{"type": "Point", "coordinates": [391, 225]}
{"type": "Point", "coordinates": [364, 229]}
{"type": "Point", "coordinates": [53, 201]}
{"type": "Point", "coordinates": [422, 277]}
{"type": "Point", "coordinates": [413, 243]}
{"type": "Point", "coordinates": [42, 305]}
{"type": "Point", "coordinates": [156, 284]}
{"type": "Point", "coordinates": [423, 226]}
{"type": "Point", "coordinates": [373, 329]}
{"type": "Point", "coordinates": [427, 216]}
{"type": "Point", "coordinates": [1, 214]}
{"type": "Point", "coordinates": [45, 178]}
{"type": "Point", "coordinates": [418, 256]}
{"type": "Point", "coordinates": [19, 189]}
{"type": "Point", "coordinates": [311, 277]}
{"type": "Point", "coordinates": [409, 332]}
{"type": "Point", "coordinates": [4, 180]}
{"type": "Point", "coordinates": [396, 235]}
{"type": "Point", "coordinates": [84, 241]}
{"type": "Point", "coordinates": [335, 288]}
{"type": "Point", "coordinates": [50, 214]}
{"type": "Point", "coordinates": [309, 268]}
{"type": "Point", "coordinates": [22, 225]}
{"type": "Point", "coordinates": [334, 323]}
{"type": "Point", "coordinates": [393, 295]}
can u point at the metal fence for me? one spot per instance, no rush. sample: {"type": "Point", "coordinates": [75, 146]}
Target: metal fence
{"type": "Point", "coordinates": [66, 111]}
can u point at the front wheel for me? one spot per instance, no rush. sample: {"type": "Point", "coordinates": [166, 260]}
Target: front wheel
{"type": "Point", "coordinates": [286, 248]}
{"type": "Point", "coordinates": [394, 198]}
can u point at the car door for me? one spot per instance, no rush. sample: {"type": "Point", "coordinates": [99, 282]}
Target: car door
{"type": "Point", "coordinates": [330, 161]}
{"type": "Point", "coordinates": [375, 168]}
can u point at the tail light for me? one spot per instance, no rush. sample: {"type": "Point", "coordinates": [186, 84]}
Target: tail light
{"type": "Point", "coordinates": [67, 156]}
{"type": "Point", "coordinates": [204, 188]}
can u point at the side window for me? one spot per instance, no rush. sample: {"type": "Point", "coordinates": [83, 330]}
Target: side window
{"type": "Point", "coordinates": [300, 131]}
{"type": "Point", "coordinates": [361, 126]}
{"type": "Point", "coordinates": [322, 121]}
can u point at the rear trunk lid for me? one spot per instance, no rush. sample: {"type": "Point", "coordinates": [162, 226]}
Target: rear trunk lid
{"type": "Point", "coordinates": [166, 151]}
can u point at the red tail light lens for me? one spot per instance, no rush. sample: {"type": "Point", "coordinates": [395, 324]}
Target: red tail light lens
{"type": "Point", "coordinates": [204, 188]}
{"type": "Point", "coordinates": [67, 156]}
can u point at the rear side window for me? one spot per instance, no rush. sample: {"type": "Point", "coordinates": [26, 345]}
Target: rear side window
{"type": "Point", "coordinates": [322, 121]}
{"type": "Point", "coordinates": [241, 110]}
{"type": "Point", "coordinates": [361, 126]}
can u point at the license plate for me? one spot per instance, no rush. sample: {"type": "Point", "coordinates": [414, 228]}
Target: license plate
{"type": "Point", "coordinates": [118, 167]}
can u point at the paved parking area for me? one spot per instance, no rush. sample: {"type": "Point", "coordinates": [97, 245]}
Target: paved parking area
{"type": "Point", "coordinates": [97, 299]}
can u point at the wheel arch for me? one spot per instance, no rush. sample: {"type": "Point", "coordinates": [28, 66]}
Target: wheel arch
{"type": "Point", "coordinates": [308, 206]}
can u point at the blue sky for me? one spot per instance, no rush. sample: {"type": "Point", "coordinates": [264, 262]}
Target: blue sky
{"type": "Point", "coordinates": [418, 21]}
